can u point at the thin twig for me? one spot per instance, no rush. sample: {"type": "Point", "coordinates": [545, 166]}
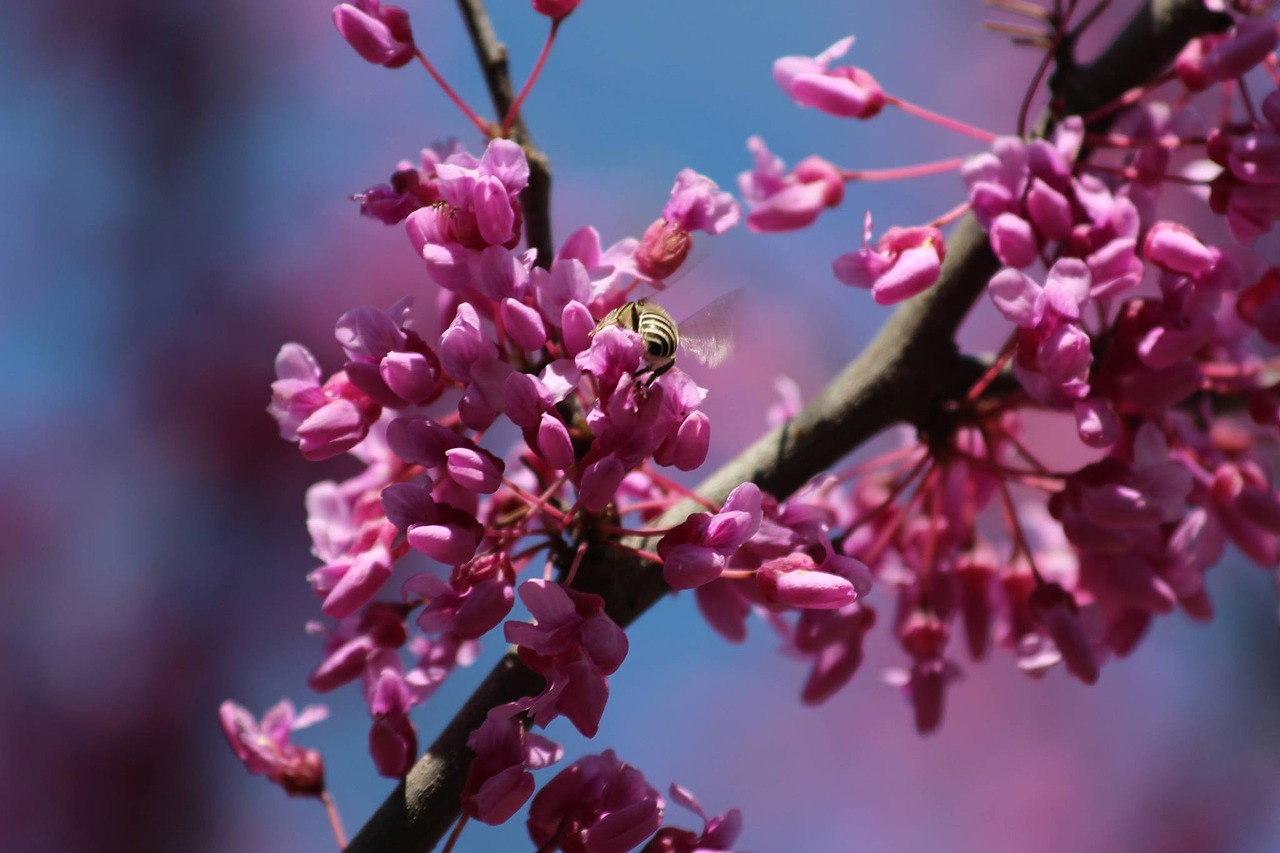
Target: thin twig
{"type": "Point", "coordinates": [906, 373]}
{"type": "Point", "coordinates": [535, 201]}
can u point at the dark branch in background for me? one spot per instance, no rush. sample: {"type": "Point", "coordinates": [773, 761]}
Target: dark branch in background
{"type": "Point", "coordinates": [535, 201]}
{"type": "Point", "coordinates": [906, 375]}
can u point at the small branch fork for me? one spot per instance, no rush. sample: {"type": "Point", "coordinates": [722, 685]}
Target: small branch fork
{"type": "Point", "coordinates": [901, 377]}
{"type": "Point", "coordinates": [535, 201]}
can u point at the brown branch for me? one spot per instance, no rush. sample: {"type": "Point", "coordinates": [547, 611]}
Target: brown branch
{"type": "Point", "coordinates": [910, 368]}
{"type": "Point", "coordinates": [535, 201]}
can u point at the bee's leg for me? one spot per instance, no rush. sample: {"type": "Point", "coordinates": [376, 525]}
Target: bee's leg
{"type": "Point", "coordinates": [659, 370]}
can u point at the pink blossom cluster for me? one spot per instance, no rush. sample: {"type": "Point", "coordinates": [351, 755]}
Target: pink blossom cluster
{"type": "Point", "coordinates": [520, 344]}
{"type": "Point", "coordinates": [1133, 324]}
{"type": "Point", "coordinates": [531, 429]}
{"type": "Point", "coordinates": [523, 345]}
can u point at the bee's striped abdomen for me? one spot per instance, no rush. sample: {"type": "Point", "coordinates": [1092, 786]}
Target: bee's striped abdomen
{"type": "Point", "coordinates": [657, 330]}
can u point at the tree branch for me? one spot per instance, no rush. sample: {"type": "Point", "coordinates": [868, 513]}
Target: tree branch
{"type": "Point", "coordinates": [908, 370]}
{"type": "Point", "coordinates": [535, 201]}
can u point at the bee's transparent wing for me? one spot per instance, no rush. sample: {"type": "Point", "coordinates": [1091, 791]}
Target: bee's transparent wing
{"type": "Point", "coordinates": [707, 334]}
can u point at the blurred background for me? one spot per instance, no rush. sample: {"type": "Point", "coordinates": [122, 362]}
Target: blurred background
{"type": "Point", "coordinates": [178, 177]}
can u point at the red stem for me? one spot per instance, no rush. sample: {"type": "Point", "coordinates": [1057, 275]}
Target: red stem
{"type": "Point", "coordinates": [1006, 352]}
{"type": "Point", "coordinates": [484, 127]}
{"type": "Point", "coordinates": [335, 820]}
{"type": "Point", "coordinates": [940, 120]}
{"type": "Point", "coordinates": [920, 170]}
{"type": "Point", "coordinates": [533, 77]}
{"type": "Point", "coordinates": [456, 834]}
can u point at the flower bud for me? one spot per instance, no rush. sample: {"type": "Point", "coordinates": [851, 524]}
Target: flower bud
{"type": "Point", "coordinates": [380, 34]}
{"type": "Point", "coordinates": [796, 582]}
{"type": "Point", "coordinates": [1013, 240]}
{"type": "Point", "coordinates": [523, 324]}
{"type": "Point", "coordinates": [662, 249]}
{"type": "Point", "coordinates": [474, 469]}
{"type": "Point", "coordinates": [554, 443]}
{"type": "Point", "coordinates": [555, 9]}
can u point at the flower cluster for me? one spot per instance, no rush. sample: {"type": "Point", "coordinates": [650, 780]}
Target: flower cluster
{"type": "Point", "coordinates": [525, 342]}
{"type": "Point", "coordinates": [527, 432]}
{"type": "Point", "coordinates": [1139, 330]}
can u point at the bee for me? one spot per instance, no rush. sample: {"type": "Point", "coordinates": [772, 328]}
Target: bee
{"type": "Point", "coordinates": [707, 335]}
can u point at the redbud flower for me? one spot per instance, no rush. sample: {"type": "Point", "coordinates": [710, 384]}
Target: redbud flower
{"type": "Point", "coordinates": [717, 836]}
{"type": "Point", "coordinates": [924, 637]}
{"type": "Point", "coordinates": [1259, 305]}
{"type": "Point", "coordinates": [498, 781]}
{"type": "Point", "coordinates": [1176, 248]}
{"type": "Point", "coordinates": [477, 597]}
{"type": "Point", "coordinates": [380, 34]}
{"type": "Point", "coordinates": [1096, 422]}
{"type": "Point", "coordinates": [596, 805]}
{"type": "Point", "coordinates": [1217, 58]}
{"type": "Point", "coordinates": [555, 9]}
{"type": "Point", "coordinates": [696, 204]}
{"type": "Point", "coordinates": [833, 639]}
{"type": "Point", "coordinates": [326, 420]}
{"type": "Point", "coordinates": [846, 91]}
{"type": "Point", "coordinates": [348, 646]}
{"type": "Point", "coordinates": [1058, 611]}
{"type": "Point", "coordinates": [393, 741]}
{"type": "Point", "coordinates": [386, 360]}
{"type": "Point", "coordinates": [778, 201]}
{"type": "Point", "coordinates": [265, 748]}
{"type": "Point", "coordinates": [1153, 491]}
{"type": "Point", "coordinates": [697, 551]}
{"type": "Point", "coordinates": [410, 187]}
{"type": "Point", "coordinates": [904, 262]}
{"type": "Point", "coordinates": [797, 581]}
{"type": "Point", "coordinates": [574, 645]}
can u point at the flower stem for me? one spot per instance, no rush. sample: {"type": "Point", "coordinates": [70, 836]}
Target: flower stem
{"type": "Point", "coordinates": [335, 820]}
{"type": "Point", "coordinates": [533, 77]}
{"type": "Point", "coordinates": [918, 171]}
{"type": "Point", "coordinates": [456, 834]}
{"type": "Point", "coordinates": [483, 126]}
{"type": "Point", "coordinates": [940, 120]}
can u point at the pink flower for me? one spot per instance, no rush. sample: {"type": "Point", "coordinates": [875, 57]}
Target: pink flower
{"type": "Point", "coordinates": [924, 637]}
{"type": "Point", "coordinates": [439, 530]}
{"type": "Point", "coordinates": [325, 420]}
{"type": "Point", "coordinates": [499, 782]}
{"type": "Point", "coordinates": [265, 748]}
{"type": "Point", "coordinates": [903, 263]}
{"type": "Point", "coordinates": [410, 187]}
{"type": "Point", "coordinates": [393, 741]}
{"type": "Point", "coordinates": [696, 204]}
{"type": "Point", "coordinates": [1054, 353]}
{"type": "Point", "coordinates": [386, 360]}
{"type": "Point", "coordinates": [348, 647]}
{"type": "Point", "coordinates": [556, 10]}
{"type": "Point", "coordinates": [780, 201]}
{"type": "Point", "coordinates": [797, 581]}
{"type": "Point", "coordinates": [846, 91]}
{"type": "Point", "coordinates": [1217, 58]}
{"type": "Point", "coordinates": [1176, 248]}
{"type": "Point", "coordinates": [574, 645]}
{"type": "Point", "coordinates": [698, 550]}
{"type": "Point", "coordinates": [833, 640]}
{"type": "Point", "coordinates": [1154, 491]}
{"type": "Point", "coordinates": [476, 598]}
{"type": "Point", "coordinates": [717, 836]}
{"type": "Point", "coordinates": [478, 209]}
{"type": "Point", "coordinates": [1058, 611]}
{"type": "Point", "coordinates": [596, 805]}
{"type": "Point", "coordinates": [380, 34]}
{"type": "Point", "coordinates": [1259, 305]}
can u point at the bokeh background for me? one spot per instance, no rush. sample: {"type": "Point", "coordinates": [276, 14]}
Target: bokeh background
{"type": "Point", "coordinates": [176, 176]}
